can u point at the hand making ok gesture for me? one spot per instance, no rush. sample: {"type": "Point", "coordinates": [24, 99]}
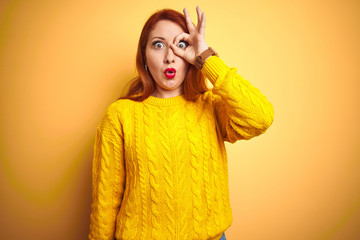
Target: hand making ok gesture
{"type": "Point", "coordinates": [195, 38]}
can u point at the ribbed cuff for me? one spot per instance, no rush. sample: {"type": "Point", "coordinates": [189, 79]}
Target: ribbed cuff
{"type": "Point", "coordinates": [213, 67]}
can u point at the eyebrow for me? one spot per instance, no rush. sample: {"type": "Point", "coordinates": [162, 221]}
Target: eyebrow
{"type": "Point", "coordinates": [159, 38]}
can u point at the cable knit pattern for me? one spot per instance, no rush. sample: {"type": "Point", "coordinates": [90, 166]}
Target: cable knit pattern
{"type": "Point", "coordinates": [182, 164]}
{"type": "Point", "coordinates": [168, 173]}
{"type": "Point", "coordinates": [160, 167]}
{"type": "Point", "coordinates": [154, 174]}
{"type": "Point", "coordinates": [206, 166]}
{"type": "Point", "coordinates": [142, 177]}
{"type": "Point", "coordinates": [215, 169]}
{"type": "Point", "coordinates": [195, 170]}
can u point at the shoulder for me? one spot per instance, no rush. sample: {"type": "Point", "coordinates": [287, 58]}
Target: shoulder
{"type": "Point", "coordinates": [113, 118]}
{"type": "Point", "coordinates": [117, 111]}
{"type": "Point", "coordinates": [120, 107]}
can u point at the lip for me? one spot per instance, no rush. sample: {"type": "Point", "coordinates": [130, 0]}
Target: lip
{"type": "Point", "coordinates": [170, 72]}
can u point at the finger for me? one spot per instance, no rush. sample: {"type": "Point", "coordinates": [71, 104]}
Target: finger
{"type": "Point", "coordinates": [181, 36]}
{"type": "Point", "coordinates": [202, 25]}
{"type": "Point", "coordinates": [178, 51]}
{"type": "Point", "coordinates": [198, 16]}
{"type": "Point", "coordinates": [189, 24]}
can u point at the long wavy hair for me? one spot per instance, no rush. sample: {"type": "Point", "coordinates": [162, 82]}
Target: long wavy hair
{"type": "Point", "coordinates": [142, 86]}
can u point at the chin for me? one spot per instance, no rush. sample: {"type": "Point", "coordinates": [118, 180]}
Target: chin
{"type": "Point", "coordinates": [171, 85]}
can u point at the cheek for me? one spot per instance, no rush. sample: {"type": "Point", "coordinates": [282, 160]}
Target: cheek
{"type": "Point", "coordinates": [184, 65]}
{"type": "Point", "coordinates": [152, 59]}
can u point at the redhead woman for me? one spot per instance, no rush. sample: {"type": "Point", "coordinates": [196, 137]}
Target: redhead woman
{"type": "Point", "coordinates": [160, 167]}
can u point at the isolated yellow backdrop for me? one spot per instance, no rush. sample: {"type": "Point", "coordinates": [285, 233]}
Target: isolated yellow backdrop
{"type": "Point", "coordinates": [63, 62]}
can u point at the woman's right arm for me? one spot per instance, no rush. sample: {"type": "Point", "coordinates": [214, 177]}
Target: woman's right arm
{"type": "Point", "coordinates": [108, 176]}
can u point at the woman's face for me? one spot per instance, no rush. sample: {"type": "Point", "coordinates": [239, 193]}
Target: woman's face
{"type": "Point", "coordinates": [167, 69]}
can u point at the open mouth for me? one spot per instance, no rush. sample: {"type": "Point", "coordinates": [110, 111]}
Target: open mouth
{"type": "Point", "coordinates": [170, 72]}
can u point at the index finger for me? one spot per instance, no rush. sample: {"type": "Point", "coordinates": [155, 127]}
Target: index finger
{"type": "Point", "coordinates": [189, 23]}
{"type": "Point", "coordinates": [181, 36]}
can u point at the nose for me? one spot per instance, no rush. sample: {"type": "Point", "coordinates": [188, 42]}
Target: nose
{"type": "Point", "coordinates": [169, 56]}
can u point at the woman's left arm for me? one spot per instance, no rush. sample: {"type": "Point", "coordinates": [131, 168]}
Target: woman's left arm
{"type": "Point", "coordinates": [242, 111]}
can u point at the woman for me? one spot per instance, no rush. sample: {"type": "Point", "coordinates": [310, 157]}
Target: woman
{"type": "Point", "coordinates": [160, 164]}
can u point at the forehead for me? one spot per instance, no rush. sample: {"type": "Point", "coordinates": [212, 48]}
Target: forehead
{"type": "Point", "coordinates": [166, 29]}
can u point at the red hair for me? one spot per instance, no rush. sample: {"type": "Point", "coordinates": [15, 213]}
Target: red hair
{"type": "Point", "coordinates": [143, 86]}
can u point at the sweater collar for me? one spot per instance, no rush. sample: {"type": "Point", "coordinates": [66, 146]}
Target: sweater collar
{"type": "Point", "coordinates": [165, 101]}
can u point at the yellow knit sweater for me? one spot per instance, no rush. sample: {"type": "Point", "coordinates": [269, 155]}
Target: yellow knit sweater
{"type": "Point", "coordinates": [160, 167]}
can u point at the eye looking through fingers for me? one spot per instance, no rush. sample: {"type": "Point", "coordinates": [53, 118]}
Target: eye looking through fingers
{"type": "Point", "coordinates": [183, 44]}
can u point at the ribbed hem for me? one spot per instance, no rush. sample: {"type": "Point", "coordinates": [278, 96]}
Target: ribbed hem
{"type": "Point", "coordinates": [213, 67]}
{"type": "Point", "coordinates": [165, 101]}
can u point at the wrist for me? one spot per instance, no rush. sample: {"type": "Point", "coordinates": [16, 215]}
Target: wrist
{"type": "Point", "coordinates": [201, 58]}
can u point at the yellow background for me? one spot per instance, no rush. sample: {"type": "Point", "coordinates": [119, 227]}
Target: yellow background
{"type": "Point", "coordinates": [63, 62]}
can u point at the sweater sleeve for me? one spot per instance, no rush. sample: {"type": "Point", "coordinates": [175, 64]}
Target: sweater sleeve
{"type": "Point", "coordinates": [108, 176]}
{"type": "Point", "coordinates": [241, 110]}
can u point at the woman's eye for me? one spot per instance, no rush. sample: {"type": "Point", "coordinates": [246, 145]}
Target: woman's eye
{"type": "Point", "coordinates": [158, 44]}
{"type": "Point", "coordinates": [183, 44]}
